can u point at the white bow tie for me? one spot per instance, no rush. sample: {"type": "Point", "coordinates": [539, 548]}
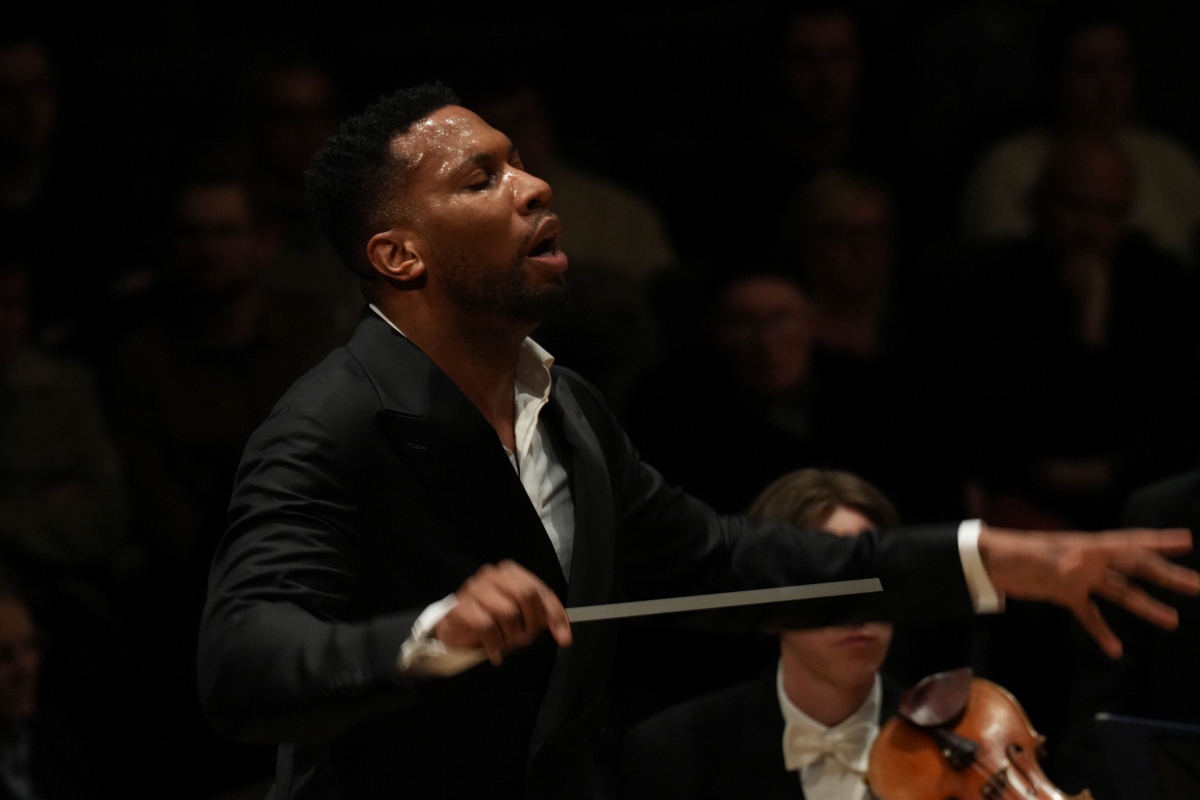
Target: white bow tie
{"type": "Point", "coordinates": [804, 746]}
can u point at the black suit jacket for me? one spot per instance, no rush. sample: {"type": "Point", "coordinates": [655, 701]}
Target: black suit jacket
{"type": "Point", "coordinates": [725, 745]}
{"type": "Point", "coordinates": [376, 488]}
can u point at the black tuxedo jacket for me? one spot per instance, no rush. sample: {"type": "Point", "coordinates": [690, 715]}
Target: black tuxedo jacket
{"type": "Point", "coordinates": [376, 488]}
{"type": "Point", "coordinates": [722, 746]}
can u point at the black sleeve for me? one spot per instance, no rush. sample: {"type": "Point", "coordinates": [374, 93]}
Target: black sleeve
{"type": "Point", "coordinates": [673, 544]}
{"type": "Point", "coordinates": [276, 664]}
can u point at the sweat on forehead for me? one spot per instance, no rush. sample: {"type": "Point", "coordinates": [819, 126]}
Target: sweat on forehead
{"type": "Point", "coordinates": [355, 171]}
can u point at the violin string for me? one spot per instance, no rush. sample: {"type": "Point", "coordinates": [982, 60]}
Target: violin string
{"type": "Point", "coordinates": [1005, 791]}
{"type": "Point", "coordinates": [985, 768]}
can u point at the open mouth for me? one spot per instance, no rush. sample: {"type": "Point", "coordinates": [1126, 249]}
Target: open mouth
{"type": "Point", "coordinates": [546, 247]}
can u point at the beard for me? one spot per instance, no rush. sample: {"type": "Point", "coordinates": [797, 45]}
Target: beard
{"type": "Point", "coordinates": [500, 290]}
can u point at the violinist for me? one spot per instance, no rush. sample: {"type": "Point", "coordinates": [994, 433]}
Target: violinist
{"type": "Point", "coordinates": [804, 729]}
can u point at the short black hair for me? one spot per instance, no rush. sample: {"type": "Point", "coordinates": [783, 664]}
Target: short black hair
{"type": "Point", "coordinates": [352, 174]}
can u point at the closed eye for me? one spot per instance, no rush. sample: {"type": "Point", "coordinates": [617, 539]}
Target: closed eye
{"type": "Point", "coordinates": [485, 182]}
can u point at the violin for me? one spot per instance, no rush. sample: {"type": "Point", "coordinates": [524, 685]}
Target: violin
{"type": "Point", "coordinates": [957, 737]}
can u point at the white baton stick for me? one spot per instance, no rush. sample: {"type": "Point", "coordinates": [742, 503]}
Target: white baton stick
{"type": "Point", "coordinates": [705, 602]}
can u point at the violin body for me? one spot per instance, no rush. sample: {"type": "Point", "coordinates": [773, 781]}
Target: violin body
{"type": "Point", "coordinates": [988, 751]}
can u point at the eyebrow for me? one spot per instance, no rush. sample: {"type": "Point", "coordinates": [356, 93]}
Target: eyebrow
{"type": "Point", "coordinates": [480, 159]}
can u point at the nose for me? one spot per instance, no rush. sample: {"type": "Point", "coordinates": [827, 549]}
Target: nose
{"type": "Point", "coordinates": [533, 193]}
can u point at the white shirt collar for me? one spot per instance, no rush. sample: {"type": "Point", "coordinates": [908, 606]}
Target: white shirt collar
{"type": "Point", "coordinates": [867, 712]}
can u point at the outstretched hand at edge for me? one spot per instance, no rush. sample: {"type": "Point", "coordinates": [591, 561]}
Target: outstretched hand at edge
{"type": "Point", "coordinates": [1070, 569]}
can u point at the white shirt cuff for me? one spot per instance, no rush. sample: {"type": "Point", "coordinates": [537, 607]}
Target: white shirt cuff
{"type": "Point", "coordinates": [422, 656]}
{"type": "Point", "coordinates": [984, 596]}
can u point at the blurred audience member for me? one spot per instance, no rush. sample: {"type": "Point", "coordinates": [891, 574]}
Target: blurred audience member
{"type": "Point", "coordinates": [37, 762]}
{"type": "Point", "coordinates": [841, 230]}
{"type": "Point", "coordinates": [821, 68]}
{"type": "Point", "coordinates": [1077, 350]}
{"type": "Point", "coordinates": [604, 225]}
{"type": "Point", "coordinates": [874, 393]}
{"type": "Point", "coordinates": [292, 110]}
{"type": "Point", "coordinates": [190, 386]}
{"type": "Point", "coordinates": [1095, 85]}
{"type": "Point", "coordinates": [819, 120]}
{"type": "Point", "coordinates": [1086, 367]}
{"type": "Point", "coordinates": [805, 727]}
{"type": "Point", "coordinates": [752, 374]}
{"type": "Point", "coordinates": [28, 111]}
{"type": "Point", "coordinates": [33, 199]}
{"type": "Point", "coordinates": [62, 509]}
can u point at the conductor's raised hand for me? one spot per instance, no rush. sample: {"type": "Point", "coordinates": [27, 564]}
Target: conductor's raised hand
{"type": "Point", "coordinates": [503, 608]}
{"type": "Point", "coordinates": [1071, 569]}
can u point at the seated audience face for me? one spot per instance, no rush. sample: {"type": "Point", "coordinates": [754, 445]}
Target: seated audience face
{"type": "Point", "coordinates": [220, 246]}
{"type": "Point", "coordinates": [764, 330]}
{"type": "Point", "coordinates": [821, 65]}
{"type": "Point", "coordinates": [1086, 195]}
{"type": "Point", "coordinates": [27, 101]}
{"type": "Point", "coordinates": [20, 661]}
{"type": "Point", "coordinates": [849, 248]}
{"type": "Point", "coordinates": [297, 116]}
{"type": "Point", "coordinates": [1097, 79]}
{"type": "Point", "coordinates": [845, 656]}
{"type": "Point", "coordinates": [521, 117]}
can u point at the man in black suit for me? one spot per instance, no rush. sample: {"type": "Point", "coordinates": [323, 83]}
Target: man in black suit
{"type": "Point", "coordinates": [433, 488]}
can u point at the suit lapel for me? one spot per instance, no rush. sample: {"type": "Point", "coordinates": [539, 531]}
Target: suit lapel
{"type": "Point", "coordinates": [760, 746]}
{"type": "Point", "coordinates": [592, 559]}
{"type": "Point", "coordinates": [447, 445]}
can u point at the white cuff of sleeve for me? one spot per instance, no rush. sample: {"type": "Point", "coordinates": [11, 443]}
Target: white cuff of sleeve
{"type": "Point", "coordinates": [422, 656]}
{"type": "Point", "coordinates": [984, 596]}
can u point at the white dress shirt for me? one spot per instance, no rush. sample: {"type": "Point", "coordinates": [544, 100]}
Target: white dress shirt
{"type": "Point", "coordinates": [546, 482]}
{"type": "Point", "coordinates": [834, 771]}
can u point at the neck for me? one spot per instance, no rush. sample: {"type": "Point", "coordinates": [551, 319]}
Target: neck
{"type": "Point", "coordinates": [478, 354]}
{"type": "Point", "coordinates": [825, 702]}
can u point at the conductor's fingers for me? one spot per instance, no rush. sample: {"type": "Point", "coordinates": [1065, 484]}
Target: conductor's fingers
{"type": "Point", "coordinates": [541, 605]}
{"type": "Point", "coordinates": [504, 610]}
{"type": "Point", "coordinates": [1151, 566]}
{"type": "Point", "coordinates": [480, 626]}
{"type": "Point", "coordinates": [1171, 541]}
{"type": "Point", "coordinates": [556, 617]}
{"type": "Point", "coordinates": [1135, 600]}
{"type": "Point", "coordinates": [1093, 622]}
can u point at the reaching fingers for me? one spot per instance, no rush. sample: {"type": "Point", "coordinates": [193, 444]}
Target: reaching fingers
{"type": "Point", "coordinates": [1171, 541]}
{"type": "Point", "coordinates": [1120, 591]}
{"type": "Point", "coordinates": [1093, 622]}
{"type": "Point", "coordinates": [1151, 566]}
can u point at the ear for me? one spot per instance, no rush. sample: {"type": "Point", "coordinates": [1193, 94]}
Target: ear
{"type": "Point", "coordinates": [396, 255]}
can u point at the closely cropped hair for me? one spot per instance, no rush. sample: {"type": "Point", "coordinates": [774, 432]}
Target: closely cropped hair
{"type": "Point", "coordinates": [353, 173]}
{"type": "Point", "coordinates": [807, 497]}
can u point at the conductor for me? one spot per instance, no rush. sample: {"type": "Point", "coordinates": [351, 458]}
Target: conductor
{"type": "Point", "coordinates": [436, 486]}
